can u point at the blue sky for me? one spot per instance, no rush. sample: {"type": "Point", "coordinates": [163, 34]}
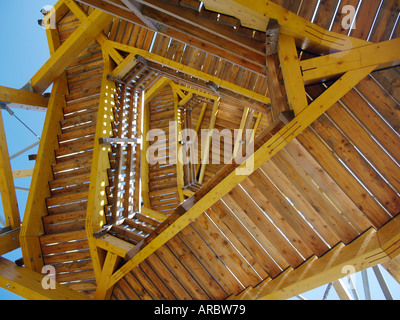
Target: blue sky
{"type": "Point", "coordinates": [23, 52]}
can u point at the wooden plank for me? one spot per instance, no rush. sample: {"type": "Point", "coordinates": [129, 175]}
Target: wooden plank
{"type": "Point", "coordinates": [328, 186]}
{"type": "Point", "coordinates": [366, 251]}
{"type": "Point", "coordinates": [166, 276]}
{"type": "Point", "coordinates": [210, 261]}
{"type": "Point", "coordinates": [367, 146]}
{"type": "Point", "coordinates": [315, 207]}
{"type": "Point", "coordinates": [196, 269]}
{"type": "Point", "coordinates": [369, 177]}
{"type": "Point", "coordinates": [7, 188]}
{"type": "Point", "coordinates": [267, 234]}
{"type": "Point", "coordinates": [178, 270]}
{"type": "Point", "coordinates": [343, 178]}
{"type": "Point", "coordinates": [288, 213]}
{"type": "Point", "coordinates": [259, 252]}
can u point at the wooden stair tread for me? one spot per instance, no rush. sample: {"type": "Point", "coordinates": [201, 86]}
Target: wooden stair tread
{"type": "Point", "coordinates": [67, 198]}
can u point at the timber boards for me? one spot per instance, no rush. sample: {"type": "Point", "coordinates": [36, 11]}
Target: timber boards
{"type": "Point", "coordinates": [64, 243]}
{"type": "Point", "coordinates": [163, 191]}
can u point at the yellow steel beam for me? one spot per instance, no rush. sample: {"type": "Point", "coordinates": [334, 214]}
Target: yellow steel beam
{"type": "Point", "coordinates": [264, 153]}
{"type": "Point", "coordinates": [68, 51]}
{"type": "Point", "coordinates": [292, 77]}
{"type": "Point", "coordinates": [192, 72]}
{"type": "Point", "coordinates": [9, 95]}
{"type": "Point", "coordinates": [28, 284]}
{"type": "Point", "coordinates": [384, 54]}
{"type": "Point", "coordinates": [255, 14]}
{"type": "Point", "coordinates": [7, 188]}
{"type": "Point", "coordinates": [366, 251]}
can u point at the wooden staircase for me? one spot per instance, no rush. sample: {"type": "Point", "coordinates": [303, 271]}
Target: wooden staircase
{"type": "Point", "coordinates": [64, 242]}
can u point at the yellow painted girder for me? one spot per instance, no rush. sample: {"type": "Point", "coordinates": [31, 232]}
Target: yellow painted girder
{"type": "Point", "coordinates": [28, 284]}
{"type": "Point", "coordinates": [192, 72]}
{"type": "Point", "coordinates": [69, 50]}
{"type": "Point", "coordinates": [264, 153]}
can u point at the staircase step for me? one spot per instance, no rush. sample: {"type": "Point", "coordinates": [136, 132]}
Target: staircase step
{"type": "Point", "coordinates": [66, 199]}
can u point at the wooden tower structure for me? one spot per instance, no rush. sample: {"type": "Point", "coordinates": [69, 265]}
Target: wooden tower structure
{"type": "Point", "coordinates": [115, 213]}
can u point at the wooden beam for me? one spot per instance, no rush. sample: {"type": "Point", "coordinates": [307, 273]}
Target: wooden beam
{"type": "Point", "coordinates": [292, 77]}
{"type": "Point", "coordinates": [78, 11]}
{"type": "Point", "coordinates": [193, 72]}
{"type": "Point", "coordinates": [156, 88]}
{"type": "Point", "coordinates": [309, 36]}
{"type": "Point", "coordinates": [264, 153]}
{"type": "Point", "coordinates": [125, 66]}
{"type": "Point", "coordinates": [28, 284]}
{"type": "Point", "coordinates": [176, 143]}
{"type": "Point", "coordinates": [7, 188]}
{"type": "Point", "coordinates": [22, 97]}
{"type": "Point", "coordinates": [22, 173]}
{"type": "Point", "coordinates": [110, 264]}
{"type": "Point", "coordinates": [364, 252]}
{"type": "Point", "coordinates": [384, 54]}
{"type": "Point", "coordinates": [136, 8]}
{"type": "Point", "coordinates": [69, 50]}
{"type": "Point", "coordinates": [9, 241]}
{"type": "Point", "coordinates": [206, 151]}
{"type": "Point", "coordinates": [32, 224]}
{"type": "Point", "coordinates": [97, 198]}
